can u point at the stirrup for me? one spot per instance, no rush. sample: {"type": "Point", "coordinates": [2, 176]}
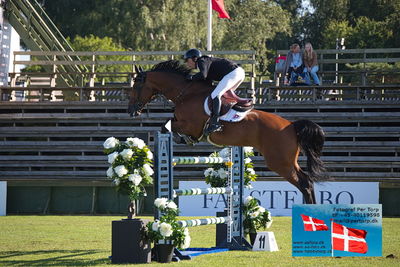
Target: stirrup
{"type": "Point", "coordinates": [215, 127]}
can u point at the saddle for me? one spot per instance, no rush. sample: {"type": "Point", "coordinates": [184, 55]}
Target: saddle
{"type": "Point", "coordinates": [230, 100]}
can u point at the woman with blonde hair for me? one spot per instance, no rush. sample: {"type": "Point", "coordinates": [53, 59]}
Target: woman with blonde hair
{"type": "Point", "coordinates": [311, 63]}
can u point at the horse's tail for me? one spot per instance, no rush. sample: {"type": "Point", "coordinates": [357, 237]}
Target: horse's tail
{"type": "Point", "coordinates": [311, 138]}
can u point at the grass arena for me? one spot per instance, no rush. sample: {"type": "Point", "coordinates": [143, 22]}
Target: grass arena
{"type": "Point", "coordinates": [86, 241]}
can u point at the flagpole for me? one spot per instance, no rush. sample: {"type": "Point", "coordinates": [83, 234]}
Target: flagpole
{"type": "Point", "coordinates": [209, 26]}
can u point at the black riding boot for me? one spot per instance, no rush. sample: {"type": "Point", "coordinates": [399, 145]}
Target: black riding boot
{"type": "Point", "coordinates": [214, 125]}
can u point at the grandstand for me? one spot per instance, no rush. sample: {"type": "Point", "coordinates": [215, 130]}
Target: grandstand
{"type": "Point", "coordinates": [53, 149]}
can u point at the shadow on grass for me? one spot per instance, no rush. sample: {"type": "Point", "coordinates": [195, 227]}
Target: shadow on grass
{"type": "Point", "coordinates": [67, 259]}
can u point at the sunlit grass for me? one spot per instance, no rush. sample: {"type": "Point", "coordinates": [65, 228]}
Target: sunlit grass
{"type": "Point", "coordinates": [86, 241]}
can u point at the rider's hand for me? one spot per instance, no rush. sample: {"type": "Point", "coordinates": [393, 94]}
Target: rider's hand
{"type": "Point", "coordinates": [189, 77]}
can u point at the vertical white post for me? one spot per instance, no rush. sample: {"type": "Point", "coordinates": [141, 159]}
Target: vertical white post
{"type": "Point", "coordinates": [3, 198]}
{"type": "Point", "coordinates": [229, 228]}
{"type": "Point", "coordinates": [336, 64]}
{"type": "Point", "coordinates": [332, 238]}
{"type": "Point", "coordinates": [209, 27]}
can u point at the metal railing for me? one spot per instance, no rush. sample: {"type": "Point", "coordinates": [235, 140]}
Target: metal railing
{"type": "Point", "coordinates": [339, 65]}
{"type": "Point", "coordinates": [39, 33]}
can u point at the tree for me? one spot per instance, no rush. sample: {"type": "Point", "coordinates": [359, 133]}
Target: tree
{"type": "Point", "coordinates": [253, 23]}
{"type": "Point", "coordinates": [138, 25]}
{"type": "Point", "coordinates": [292, 6]}
{"type": "Point", "coordinates": [374, 23]}
{"type": "Point", "coordinates": [369, 33]}
{"type": "Point", "coordinates": [94, 43]}
{"type": "Point", "coordinates": [336, 29]}
{"type": "Point", "coordinates": [325, 12]}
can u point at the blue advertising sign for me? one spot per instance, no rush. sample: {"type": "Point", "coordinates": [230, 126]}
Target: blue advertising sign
{"type": "Point", "coordinates": [337, 230]}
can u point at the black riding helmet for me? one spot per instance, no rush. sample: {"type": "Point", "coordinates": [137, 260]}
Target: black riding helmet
{"type": "Point", "coordinates": [192, 53]}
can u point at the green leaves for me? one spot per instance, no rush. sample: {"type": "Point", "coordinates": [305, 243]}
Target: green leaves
{"type": "Point", "coordinates": [255, 216]}
{"type": "Point", "coordinates": [167, 227]}
{"type": "Point", "coordinates": [366, 25]}
{"type": "Point", "coordinates": [216, 174]}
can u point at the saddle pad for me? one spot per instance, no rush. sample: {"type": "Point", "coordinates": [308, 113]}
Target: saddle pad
{"type": "Point", "coordinates": [231, 115]}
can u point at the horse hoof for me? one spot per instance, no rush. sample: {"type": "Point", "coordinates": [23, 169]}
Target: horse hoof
{"type": "Point", "coordinates": [179, 140]}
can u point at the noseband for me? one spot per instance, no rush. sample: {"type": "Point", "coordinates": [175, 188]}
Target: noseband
{"type": "Point", "coordinates": [141, 78]}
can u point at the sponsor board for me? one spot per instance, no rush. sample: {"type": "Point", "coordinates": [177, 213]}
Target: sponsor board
{"type": "Point", "coordinates": [337, 230]}
{"type": "Point", "coordinates": [279, 197]}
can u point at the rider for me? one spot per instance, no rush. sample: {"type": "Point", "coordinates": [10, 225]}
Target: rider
{"type": "Point", "coordinates": [226, 71]}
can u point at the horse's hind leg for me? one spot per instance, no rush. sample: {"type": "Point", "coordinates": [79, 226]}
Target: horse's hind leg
{"type": "Point", "coordinates": [306, 186]}
{"type": "Point", "coordinates": [290, 170]}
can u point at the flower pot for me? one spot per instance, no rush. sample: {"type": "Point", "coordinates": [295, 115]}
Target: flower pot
{"type": "Point", "coordinates": [164, 252]}
{"type": "Point", "coordinates": [252, 237]}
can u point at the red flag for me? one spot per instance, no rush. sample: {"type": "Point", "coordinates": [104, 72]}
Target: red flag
{"type": "Point", "coordinates": [312, 224]}
{"type": "Point", "coordinates": [348, 239]}
{"type": "Point", "coordinates": [218, 5]}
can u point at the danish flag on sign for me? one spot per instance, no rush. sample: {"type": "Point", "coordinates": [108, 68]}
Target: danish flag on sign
{"type": "Point", "coordinates": [313, 224]}
{"type": "Point", "coordinates": [348, 239]}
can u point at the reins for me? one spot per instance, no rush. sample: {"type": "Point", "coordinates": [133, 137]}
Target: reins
{"type": "Point", "coordinates": [181, 93]}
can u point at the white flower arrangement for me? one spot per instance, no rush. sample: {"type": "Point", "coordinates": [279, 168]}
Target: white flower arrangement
{"type": "Point", "coordinates": [111, 142]}
{"type": "Point", "coordinates": [255, 216]}
{"type": "Point", "coordinates": [167, 228]}
{"type": "Point", "coordinates": [217, 173]}
{"type": "Point", "coordinates": [131, 165]}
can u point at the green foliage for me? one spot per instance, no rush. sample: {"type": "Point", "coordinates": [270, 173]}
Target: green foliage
{"type": "Point", "coordinates": [253, 23]}
{"type": "Point", "coordinates": [366, 33]}
{"type": "Point", "coordinates": [372, 24]}
{"type": "Point", "coordinates": [383, 70]}
{"type": "Point", "coordinates": [33, 68]}
{"type": "Point", "coordinates": [369, 33]}
{"type": "Point", "coordinates": [95, 43]}
{"type": "Point", "coordinates": [255, 216]}
{"type": "Point", "coordinates": [334, 30]}
{"type": "Point", "coordinates": [167, 227]}
{"type": "Point", "coordinates": [216, 174]}
{"type": "Point", "coordinates": [173, 25]}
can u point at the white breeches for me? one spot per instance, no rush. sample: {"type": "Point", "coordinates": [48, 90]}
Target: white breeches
{"type": "Point", "coordinates": [231, 81]}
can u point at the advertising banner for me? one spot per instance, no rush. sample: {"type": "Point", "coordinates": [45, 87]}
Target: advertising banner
{"type": "Point", "coordinates": [279, 197]}
{"type": "Point", "coordinates": [337, 230]}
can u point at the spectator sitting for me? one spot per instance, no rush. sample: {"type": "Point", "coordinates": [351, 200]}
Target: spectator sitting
{"type": "Point", "coordinates": [287, 70]}
{"type": "Point", "coordinates": [294, 62]}
{"type": "Point", "coordinates": [311, 63]}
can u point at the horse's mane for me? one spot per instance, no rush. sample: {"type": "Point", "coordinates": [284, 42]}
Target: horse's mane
{"type": "Point", "coordinates": [173, 66]}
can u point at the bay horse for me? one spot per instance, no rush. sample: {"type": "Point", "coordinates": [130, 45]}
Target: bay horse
{"type": "Point", "coordinates": [277, 139]}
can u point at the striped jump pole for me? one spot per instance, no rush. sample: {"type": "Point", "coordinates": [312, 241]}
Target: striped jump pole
{"type": "Point", "coordinates": [202, 191]}
{"type": "Point", "coordinates": [199, 160]}
{"type": "Point", "coordinates": [205, 221]}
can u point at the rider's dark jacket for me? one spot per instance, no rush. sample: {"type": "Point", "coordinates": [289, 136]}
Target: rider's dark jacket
{"type": "Point", "coordinates": [213, 68]}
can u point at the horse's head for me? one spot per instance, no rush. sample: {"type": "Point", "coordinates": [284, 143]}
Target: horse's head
{"type": "Point", "coordinates": [140, 94]}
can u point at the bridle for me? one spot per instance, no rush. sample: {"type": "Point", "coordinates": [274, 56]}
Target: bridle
{"type": "Point", "coordinates": [140, 78]}
{"type": "Point", "coordinates": [181, 93]}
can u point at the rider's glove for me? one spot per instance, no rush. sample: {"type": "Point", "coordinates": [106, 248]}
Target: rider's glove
{"type": "Point", "coordinates": [189, 77]}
